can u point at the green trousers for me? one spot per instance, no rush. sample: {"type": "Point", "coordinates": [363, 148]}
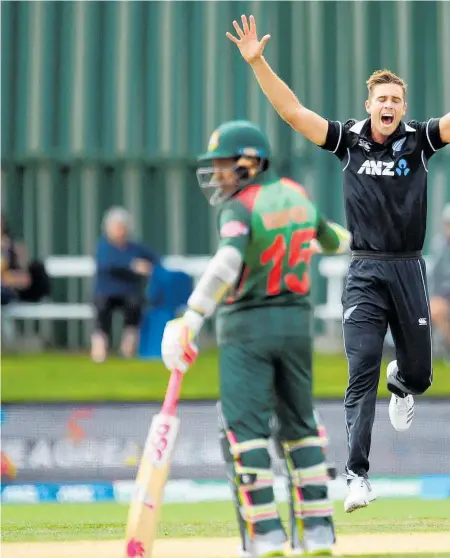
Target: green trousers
{"type": "Point", "coordinates": [260, 378]}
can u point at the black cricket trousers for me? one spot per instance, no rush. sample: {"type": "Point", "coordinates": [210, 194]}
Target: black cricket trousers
{"type": "Point", "coordinates": [382, 290]}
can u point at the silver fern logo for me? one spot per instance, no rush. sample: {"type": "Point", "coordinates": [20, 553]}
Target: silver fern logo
{"type": "Point", "coordinates": [398, 145]}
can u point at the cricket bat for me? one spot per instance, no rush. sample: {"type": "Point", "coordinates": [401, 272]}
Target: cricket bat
{"type": "Point", "coordinates": [152, 475]}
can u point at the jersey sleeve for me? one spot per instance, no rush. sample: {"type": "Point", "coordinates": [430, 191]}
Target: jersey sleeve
{"type": "Point", "coordinates": [234, 226]}
{"type": "Point", "coordinates": [338, 137]}
{"type": "Point", "coordinates": [430, 136]}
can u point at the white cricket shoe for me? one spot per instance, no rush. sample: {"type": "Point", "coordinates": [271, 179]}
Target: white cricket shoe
{"type": "Point", "coordinates": [401, 409]}
{"type": "Point", "coordinates": [270, 545]}
{"type": "Point", "coordinates": [267, 553]}
{"type": "Point", "coordinates": [267, 546]}
{"type": "Point", "coordinates": [318, 540]}
{"type": "Point", "coordinates": [360, 494]}
{"type": "Point", "coordinates": [267, 549]}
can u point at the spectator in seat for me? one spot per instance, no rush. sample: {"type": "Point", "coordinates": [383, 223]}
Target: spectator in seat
{"type": "Point", "coordinates": [123, 267]}
{"type": "Point", "coordinates": [22, 280]}
{"type": "Point", "coordinates": [440, 283]}
{"type": "Point", "coordinates": [13, 273]}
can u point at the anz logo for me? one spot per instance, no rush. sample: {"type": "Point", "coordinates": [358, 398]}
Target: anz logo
{"type": "Point", "coordinates": [384, 168]}
{"type": "Point", "coordinates": [377, 168]}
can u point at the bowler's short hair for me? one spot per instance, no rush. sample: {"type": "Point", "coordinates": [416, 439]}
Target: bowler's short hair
{"type": "Point", "coordinates": [385, 76]}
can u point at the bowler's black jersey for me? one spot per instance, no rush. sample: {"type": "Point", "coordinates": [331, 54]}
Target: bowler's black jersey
{"type": "Point", "coordinates": [385, 185]}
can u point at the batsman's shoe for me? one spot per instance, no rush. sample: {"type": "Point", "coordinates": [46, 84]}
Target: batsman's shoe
{"type": "Point", "coordinates": [267, 546]}
{"type": "Point", "coordinates": [245, 554]}
{"type": "Point", "coordinates": [401, 409]}
{"type": "Point", "coordinates": [360, 494]}
{"type": "Point", "coordinates": [298, 551]}
{"type": "Point", "coordinates": [317, 541]}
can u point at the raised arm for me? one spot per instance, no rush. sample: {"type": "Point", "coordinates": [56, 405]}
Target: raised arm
{"type": "Point", "coordinates": [444, 128]}
{"type": "Point", "coordinates": [283, 99]}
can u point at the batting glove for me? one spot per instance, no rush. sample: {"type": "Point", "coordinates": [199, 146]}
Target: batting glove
{"type": "Point", "coordinates": [344, 236]}
{"type": "Point", "coordinates": [344, 241]}
{"type": "Point", "coordinates": [178, 347]}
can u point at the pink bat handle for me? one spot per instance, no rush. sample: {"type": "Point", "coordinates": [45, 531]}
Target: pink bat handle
{"type": "Point", "coordinates": [170, 404]}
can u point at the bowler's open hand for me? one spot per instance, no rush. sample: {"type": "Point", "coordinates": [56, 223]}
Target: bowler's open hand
{"type": "Point", "coordinates": [250, 48]}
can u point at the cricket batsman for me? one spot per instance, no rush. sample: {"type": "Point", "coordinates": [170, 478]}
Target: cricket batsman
{"type": "Point", "coordinates": [259, 279]}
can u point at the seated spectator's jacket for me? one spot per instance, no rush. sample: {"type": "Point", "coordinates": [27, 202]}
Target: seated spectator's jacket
{"type": "Point", "coordinates": [114, 276]}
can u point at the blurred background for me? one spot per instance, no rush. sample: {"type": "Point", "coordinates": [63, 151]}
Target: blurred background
{"type": "Point", "coordinates": [104, 108]}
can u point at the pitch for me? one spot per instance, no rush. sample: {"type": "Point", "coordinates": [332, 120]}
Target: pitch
{"type": "Point", "coordinates": [406, 528]}
{"type": "Point", "coordinates": [350, 545]}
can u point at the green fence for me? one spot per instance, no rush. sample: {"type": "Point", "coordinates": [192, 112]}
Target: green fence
{"type": "Point", "coordinates": [109, 102]}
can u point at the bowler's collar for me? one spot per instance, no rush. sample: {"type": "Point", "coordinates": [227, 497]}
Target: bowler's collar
{"type": "Point", "coordinates": [362, 128]}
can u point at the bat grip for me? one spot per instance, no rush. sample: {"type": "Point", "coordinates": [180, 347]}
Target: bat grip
{"type": "Point", "coordinates": [170, 403]}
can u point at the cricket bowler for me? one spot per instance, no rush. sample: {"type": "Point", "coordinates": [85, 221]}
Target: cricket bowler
{"type": "Point", "coordinates": [384, 173]}
{"type": "Point", "coordinates": [259, 280]}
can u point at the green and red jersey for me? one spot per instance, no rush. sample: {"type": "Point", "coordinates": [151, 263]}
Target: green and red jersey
{"type": "Point", "coordinates": [272, 225]}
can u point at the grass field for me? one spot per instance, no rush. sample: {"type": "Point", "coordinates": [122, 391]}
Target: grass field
{"type": "Point", "coordinates": [406, 521]}
{"type": "Point", "coordinates": [73, 377]}
{"type": "Point", "coordinates": [100, 521]}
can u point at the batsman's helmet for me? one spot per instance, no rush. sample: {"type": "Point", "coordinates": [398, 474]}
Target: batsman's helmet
{"type": "Point", "coordinates": [249, 148]}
